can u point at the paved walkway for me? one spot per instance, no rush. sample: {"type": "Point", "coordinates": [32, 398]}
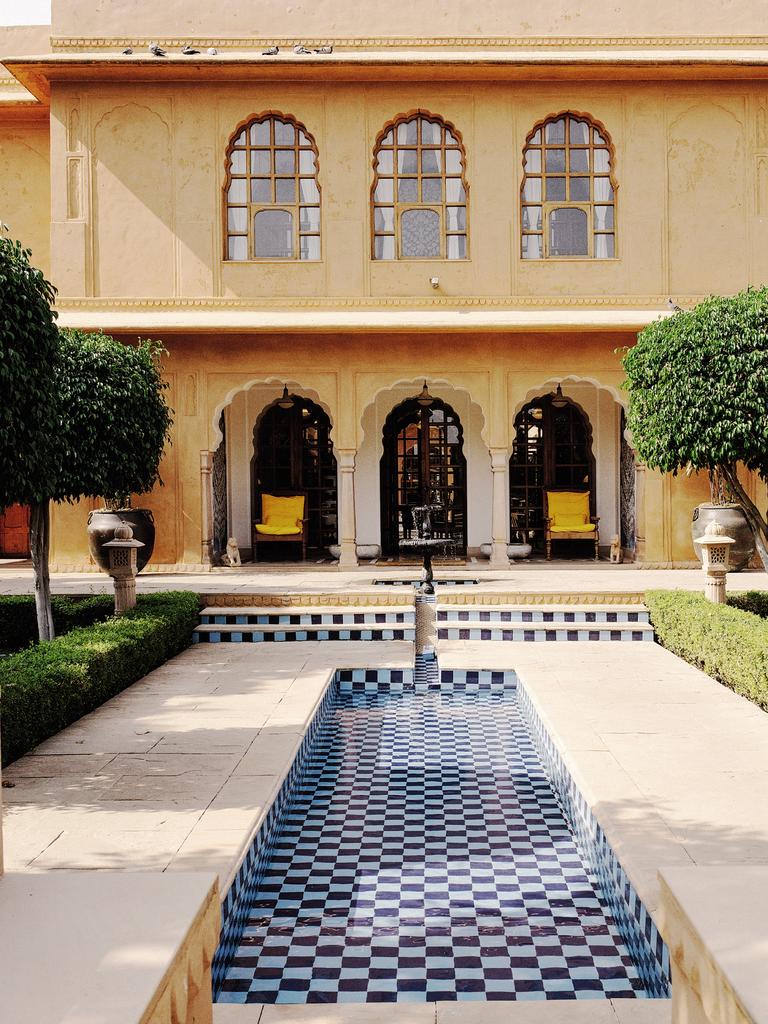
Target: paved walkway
{"type": "Point", "coordinates": [523, 577]}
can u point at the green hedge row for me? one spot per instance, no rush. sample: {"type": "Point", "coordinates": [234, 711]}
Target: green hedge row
{"type": "Point", "coordinates": [46, 687]}
{"type": "Point", "coordinates": [727, 643]}
{"type": "Point", "coordinates": [18, 621]}
{"type": "Point", "coordinates": [755, 601]}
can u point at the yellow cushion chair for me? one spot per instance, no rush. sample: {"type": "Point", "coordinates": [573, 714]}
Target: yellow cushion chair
{"type": "Point", "coordinates": [282, 519]}
{"type": "Point", "coordinates": [567, 517]}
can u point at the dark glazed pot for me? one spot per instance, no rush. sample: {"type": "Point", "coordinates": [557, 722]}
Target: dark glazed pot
{"type": "Point", "coordinates": [731, 517]}
{"type": "Point", "coordinates": [101, 528]}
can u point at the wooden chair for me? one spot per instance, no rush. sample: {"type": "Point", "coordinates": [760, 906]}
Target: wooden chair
{"type": "Point", "coordinates": [566, 515]}
{"type": "Point", "coordinates": [281, 521]}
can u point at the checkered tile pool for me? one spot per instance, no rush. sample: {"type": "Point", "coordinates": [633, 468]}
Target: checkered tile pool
{"type": "Point", "coordinates": [423, 856]}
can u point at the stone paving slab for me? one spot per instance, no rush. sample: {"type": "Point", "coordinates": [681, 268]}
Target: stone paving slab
{"type": "Point", "coordinates": [522, 577]}
{"type": "Point", "coordinates": [176, 771]}
{"type": "Point", "coordinates": [674, 765]}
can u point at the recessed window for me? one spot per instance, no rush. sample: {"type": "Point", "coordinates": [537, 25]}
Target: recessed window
{"type": "Point", "coordinates": [568, 194]}
{"type": "Point", "coordinates": [271, 194]}
{"type": "Point", "coordinates": [419, 192]}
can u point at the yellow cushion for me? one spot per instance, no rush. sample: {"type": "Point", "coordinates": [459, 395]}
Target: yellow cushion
{"type": "Point", "coordinates": [277, 531]}
{"type": "Point", "coordinates": [579, 528]}
{"type": "Point", "coordinates": [283, 514]}
{"type": "Point", "coordinates": [569, 510]}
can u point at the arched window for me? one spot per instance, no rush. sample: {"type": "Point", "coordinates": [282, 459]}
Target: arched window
{"type": "Point", "coordinates": [419, 193]}
{"type": "Point", "coordinates": [271, 193]}
{"type": "Point", "coordinates": [568, 195]}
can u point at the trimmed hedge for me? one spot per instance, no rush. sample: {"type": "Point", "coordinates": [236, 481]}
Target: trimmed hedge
{"type": "Point", "coordinates": [48, 686]}
{"type": "Point", "coordinates": [755, 601]}
{"type": "Point", "coordinates": [727, 643]}
{"type": "Point", "coordinates": [18, 621]}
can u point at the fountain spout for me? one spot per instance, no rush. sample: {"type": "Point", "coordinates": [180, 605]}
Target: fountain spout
{"type": "Point", "coordinates": [425, 544]}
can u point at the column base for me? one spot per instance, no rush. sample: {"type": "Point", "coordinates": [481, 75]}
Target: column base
{"type": "Point", "coordinates": [348, 555]}
{"type": "Point", "coordinates": [499, 558]}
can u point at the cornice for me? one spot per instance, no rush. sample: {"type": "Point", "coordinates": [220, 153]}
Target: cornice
{"type": "Point", "coordinates": [79, 43]}
{"type": "Point", "coordinates": [388, 302]}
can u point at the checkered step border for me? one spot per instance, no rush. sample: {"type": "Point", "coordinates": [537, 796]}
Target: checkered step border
{"type": "Point", "coordinates": [635, 923]}
{"type": "Point", "coordinates": [476, 613]}
{"type": "Point", "coordinates": [417, 583]}
{"type": "Point", "coordinates": [252, 617]}
{"type": "Point", "coordinates": [540, 634]}
{"type": "Point", "coordinates": [389, 881]}
{"type": "Point", "coordinates": [208, 634]}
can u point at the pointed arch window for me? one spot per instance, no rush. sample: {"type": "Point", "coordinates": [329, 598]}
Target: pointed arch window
{"type": "Point", "coordinates": [568, 195]}
{"type": "Point", "coordinates": [271, 192]}
{"type": "Point", "coordinates": [419, 192]}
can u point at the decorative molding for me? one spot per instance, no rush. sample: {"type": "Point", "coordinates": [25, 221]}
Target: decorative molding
{"type": "Point", "coordinates": [512, 302]}
{"type": "Point", "coordinates": [409, 43]}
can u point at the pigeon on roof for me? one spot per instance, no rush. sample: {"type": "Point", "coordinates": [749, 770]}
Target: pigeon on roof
{"type": "Point", "coordinates": [674, 306]}
{"type": "Point", "coordinates": [298, 48]}
{"type": "Point", "coordinates": [324, 49]}
{"type": "Point", "coordinates": [212, 51]}
{"type": "Point", "coordinates": [127, 50]}
{"type": "Point", "coordinates": [158, 51]}
{"type": "Point", "coordinates": [189, 51]}
{"type": "Point", "coordinates": [271, 51]}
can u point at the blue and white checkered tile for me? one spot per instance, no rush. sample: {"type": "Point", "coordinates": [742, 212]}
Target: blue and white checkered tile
{"type": "Point", "coordinates": [448, 631]}
{"type": "Point", "coordinates": [260, 636]}
{"type": "Point", "coordinates": [417, 583]}
{"type": "Point", "coordinates": [424, 856]}
{"type": "Point", "coordinates": [235, 618]}
{"type": "Point", "coordinates": [636, 925]}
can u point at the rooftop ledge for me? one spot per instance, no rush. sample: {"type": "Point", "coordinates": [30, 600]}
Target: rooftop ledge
{"type": "Point", "coordinates": [117, 317]}
{"type": "Point", "coordinates": [36, 73]}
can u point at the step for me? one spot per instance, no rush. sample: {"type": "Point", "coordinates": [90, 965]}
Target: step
{"type": "Point", "coordinates": [215, 633]}
{"type": "Point", "coordinates": [527, 614]}
{"type": "Point", "coordinates": [307, 616]}
{"type": "Point", "coordinates": [535, 632]}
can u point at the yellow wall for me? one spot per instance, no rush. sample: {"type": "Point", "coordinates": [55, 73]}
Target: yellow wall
{"type": "Point", "coordinates": [138, 173]}
{"type": "Point", "coordinates": [25, 185]}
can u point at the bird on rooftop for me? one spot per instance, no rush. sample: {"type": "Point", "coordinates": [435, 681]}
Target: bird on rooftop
{"type": "Point", "coordinates": [324, 49]}
{"type": "Point", "coordinates": [298, 48]}
{"type": "Point", "coordinates": [127, 50]}
{"type": "Point", "coordinates": [212, 51]}
{"type": "Point", "coordinates": [674, 306]}
{"type": "Point", "coordinates": [158, 51]}
{"type": "Point", "coordinates": [189, 51]}
{"type": "Point", "coordinates": [271, 51]}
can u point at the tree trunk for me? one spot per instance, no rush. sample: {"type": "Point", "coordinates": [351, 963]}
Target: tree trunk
{"type": "Point", "coordinates": [39, 542]}
{"type": "Point", "coordinates": [751, 511]}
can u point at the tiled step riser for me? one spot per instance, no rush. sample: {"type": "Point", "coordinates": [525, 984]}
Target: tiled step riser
{"type": "Point", "coordinates": [256, 636]}
{"type": "Point", "coordinates": [543, 635]}
{"type": "Point", "coordinates": [545, 618]}
{"type": "Point", "coordinates": [345, 619]}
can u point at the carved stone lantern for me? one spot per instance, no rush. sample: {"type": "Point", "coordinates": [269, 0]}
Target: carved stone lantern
{"type": "Point", "coordinates": [715, 560]}
{"type": "Point", "coordinates": [122, 566]}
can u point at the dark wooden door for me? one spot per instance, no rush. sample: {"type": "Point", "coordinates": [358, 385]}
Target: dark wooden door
{"type": "Point", "coordinates": [423, 464]}
{"type": "Point", "coordinates": [552, 450]}
{"type": "Point", "coordinates": [14, 532]}
{"type": "Point", "coordinates": [293, 450]}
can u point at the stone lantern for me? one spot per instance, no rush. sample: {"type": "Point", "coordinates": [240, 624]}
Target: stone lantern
{"type": "Point", "coordinates": [715, 560]}
{"type": "Point", "coordinates": [122, 566]}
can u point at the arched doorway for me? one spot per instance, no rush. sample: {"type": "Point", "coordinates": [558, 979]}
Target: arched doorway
{"type": "Point", "coordinates": [552, 448]}
{"type": "Point", "coordinates": [423, 464]}
{"type": "Point", "coordinates": [293, 450]}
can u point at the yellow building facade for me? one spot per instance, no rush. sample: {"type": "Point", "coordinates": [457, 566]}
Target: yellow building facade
{"type": "Point", "coordinates": [490, 203]}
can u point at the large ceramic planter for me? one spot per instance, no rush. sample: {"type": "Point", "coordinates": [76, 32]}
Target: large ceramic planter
{"type": "Point", "coordinates": [731, 517]}
{"type": "Point", "coordinates": [101, 528]}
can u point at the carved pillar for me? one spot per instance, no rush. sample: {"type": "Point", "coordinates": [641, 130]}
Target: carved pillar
{"type": "Point", "coordinates": [206, 506]}
{"type": "Point", "coordinates": [346, 507]}
{"type": "Point", "coordinates": [499, 511]}
{"type": "Point", "coordinates": [640, 517]}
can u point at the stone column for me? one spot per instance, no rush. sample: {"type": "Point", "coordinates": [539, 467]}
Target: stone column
{"type": "Point", "coordinates": [206, 507]}
{"type": "Point", "coordinates": [640, 517]}
{"type": "Point", "coordinates": [499, 509]}
{"type": "Point", "coordinates": [346, 507]}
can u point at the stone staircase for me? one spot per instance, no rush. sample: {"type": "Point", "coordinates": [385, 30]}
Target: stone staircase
{"type": "Point", "coordinates": [290, 623]}
{"type": "Point", "coordinates": [593, 622]}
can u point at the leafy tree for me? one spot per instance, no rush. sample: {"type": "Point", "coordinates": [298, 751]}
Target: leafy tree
{"type": "Point", "coordinates": [82, 415]}
{"type": "Point", "coordinates": [698, 388]}
{"type": "Point", "coordinates": [29, 354]}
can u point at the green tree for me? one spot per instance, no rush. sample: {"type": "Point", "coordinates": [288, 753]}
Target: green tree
{"type": "Point", "coordinates": [29, 367]}
{"type": "Point", "coordinates": [698, 389]}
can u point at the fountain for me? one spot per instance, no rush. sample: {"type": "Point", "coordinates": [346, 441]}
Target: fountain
{"type": "Point", "coordinates": [425, 544]}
